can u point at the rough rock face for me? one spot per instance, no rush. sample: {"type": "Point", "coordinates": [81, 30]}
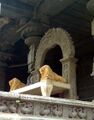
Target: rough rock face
{"type": "Point", "coordinates": [46, 72]}
{"type": "Point", "coordinates": [15, 84]}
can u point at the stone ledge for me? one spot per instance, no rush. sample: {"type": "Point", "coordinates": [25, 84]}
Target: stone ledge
{"type": "Point", "coordinates": [43, 108]}
{"type": "Point", "coordinates": [17, 117]}
{"type": "Point", "coordinates": [42, 99]}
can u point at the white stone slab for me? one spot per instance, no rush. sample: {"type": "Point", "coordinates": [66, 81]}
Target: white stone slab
{"type": "Point", "coordinates": [35, 89]}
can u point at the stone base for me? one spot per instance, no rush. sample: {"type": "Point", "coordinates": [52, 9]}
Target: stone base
{"type": "Point", "coordinates": [45, 88]}
{"type": "Point", "coordinates": [18, 117]}
{"type": "Point", "coordinates": [15, 106]}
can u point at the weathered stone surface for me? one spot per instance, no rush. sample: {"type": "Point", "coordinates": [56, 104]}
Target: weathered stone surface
{"type": "Point", "coordinates": [42, 108]}
{"type": "Point", "coordinates": [58, 36]}
{"type": "Point", "coordinates": [54, 37]}
{"type": "Point", "coordinates": [47, 73]}
{"type": "Point", "coordinates": [15, 84]}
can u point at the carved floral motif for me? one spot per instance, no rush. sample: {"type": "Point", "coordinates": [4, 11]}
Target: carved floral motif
{"type": "Point", "coordinates": [46, 107]}
{"type": "Point", "coordinates": [3, 106]}
{"type": "Point", "coordinates": [26, 108]}
{"type": "Point", "coordinates": [77, 112]}
{"type": "Point", "coordinates": [12, 106]}
{"type": "Point", "coordinates": [54, 37]}
{"type": "Point", "coordinates": [8, 106]}
{"type": "Point", "coordinates": [52, 110]}
{"type": "Point", "coordinates": [57, 110]}
{"type": "Point", "coordinates": [45, 110]}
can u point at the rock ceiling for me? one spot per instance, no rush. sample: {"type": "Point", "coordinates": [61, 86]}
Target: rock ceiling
{"type": "Point", "coordinates": [18, 12]}
{"type": "Point", "coordinates": [69, 14]}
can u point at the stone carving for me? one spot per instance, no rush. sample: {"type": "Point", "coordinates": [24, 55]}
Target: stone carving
{"type": "Point", "coordinates": [47, 73]}
{"type": "Point", "coordinates": [3, 106]}
{"type": "Point", "coordinates": [33, 77]}
{"type": "Point", "coordinates": [8, 106]}
{"type": "Point", "coordinates": [44, 73]}
{"type": "Point", "coordinates": [33, 28]}
{"type": "Point", "coordinates": [12, 106]}
{"type": "Point", "coordinates": [26, 108]}
{"type": "Point", "coordinates": [32, 106]}
{"type": "Point", "coordinates": [53, 110]}
{"type": "Point", "coordinates": [15, 84]}
{"type": "Point", "coordinates": [82, 113]}
{"type": "Point", "coordinates": [45, 110]}
{"type": "Point", "coordinates": [57, 110]}
{"type": "Point", "coordinates": [52, 38]}
{"type": "Point", "coordinates": [75, 112]}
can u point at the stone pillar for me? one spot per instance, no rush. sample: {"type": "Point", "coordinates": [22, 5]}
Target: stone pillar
{"type": "Point", "coordinates": [32, 43]}
{"type": "Point", "coordinates": [32, 35]}
{"type": "Point", "coordinates": [69, 73]}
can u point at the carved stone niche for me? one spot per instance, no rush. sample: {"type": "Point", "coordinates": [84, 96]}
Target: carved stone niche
{"type": "Point", "coordinates": [60, 37]}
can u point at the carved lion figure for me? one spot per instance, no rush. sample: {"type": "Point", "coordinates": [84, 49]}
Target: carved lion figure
{"type": "Point", "coordinates": [15, 84]}
{"type": "Point", "coordinates": [47, 73]}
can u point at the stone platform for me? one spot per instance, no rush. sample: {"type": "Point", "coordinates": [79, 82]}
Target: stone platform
{"type": "Point", "coordinates": [15, 106]}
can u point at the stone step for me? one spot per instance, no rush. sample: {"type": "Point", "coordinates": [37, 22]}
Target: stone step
{"type": "Point", "coordinates": [18, 117]}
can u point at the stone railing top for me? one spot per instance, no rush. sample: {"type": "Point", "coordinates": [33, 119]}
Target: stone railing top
{"type": "Point", "coordinates": [41, 99]}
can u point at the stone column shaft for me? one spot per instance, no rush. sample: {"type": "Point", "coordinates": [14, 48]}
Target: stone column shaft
{"type": "Point", "coordinates": [32, 35]}
{"type": "Point", "coordinates": [69, 73]}
{"type": "Point", "coordinates": [32, 43]}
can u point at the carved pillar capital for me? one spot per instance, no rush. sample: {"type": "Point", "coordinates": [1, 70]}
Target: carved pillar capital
{"type": "Point", "coordinates": [32, 40]}
{"type": "Point", "coordinates": [34, 28]}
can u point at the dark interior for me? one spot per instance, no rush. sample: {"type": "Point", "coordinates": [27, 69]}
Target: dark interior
{"type": "Point", "coordinates": [17, 67]}
{"type": "Point", "coordinates": [52, 58]}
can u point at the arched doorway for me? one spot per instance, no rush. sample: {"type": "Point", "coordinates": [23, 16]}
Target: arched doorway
{"type": "Point", "coordinates": [52, 58]}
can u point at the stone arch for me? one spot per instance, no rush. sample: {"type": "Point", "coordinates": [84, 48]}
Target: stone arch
{"type": "Point", "coordinates": [55, 36]}
{"type": "Point", "coordinates": [58, 36]}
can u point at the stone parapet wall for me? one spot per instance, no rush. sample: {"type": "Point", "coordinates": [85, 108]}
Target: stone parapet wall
{"type": "Point", "coordinates": [37, 107]}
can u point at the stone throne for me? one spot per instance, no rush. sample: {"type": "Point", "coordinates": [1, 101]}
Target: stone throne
{"type": "Point", "coordinates": [58, 36]}
{"type": "Point", "coordinates": [52, 38]}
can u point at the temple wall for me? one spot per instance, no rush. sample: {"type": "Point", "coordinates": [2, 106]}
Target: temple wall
{"type": "Point", "coordinates": [28, 107]}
